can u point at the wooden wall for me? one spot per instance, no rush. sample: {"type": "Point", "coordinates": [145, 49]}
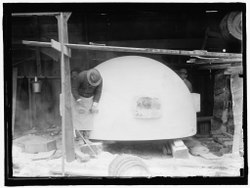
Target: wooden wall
{"type": "Point", "coordinates": [222, 101]}
{"type": "Point", "coordinates": [228, 96]}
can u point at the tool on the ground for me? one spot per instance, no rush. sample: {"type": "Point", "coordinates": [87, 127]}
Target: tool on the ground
{"type": "Point", "coordinates": [86, 142]}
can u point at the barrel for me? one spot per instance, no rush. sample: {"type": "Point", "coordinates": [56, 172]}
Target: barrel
{"type": "Point", "coordinates": [231, 26]}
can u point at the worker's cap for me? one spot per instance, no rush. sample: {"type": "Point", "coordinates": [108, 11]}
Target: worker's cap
{"type": "Point", "coordinates": [78, 70]}
{"type": "Point", "coordinates": [94, 77]}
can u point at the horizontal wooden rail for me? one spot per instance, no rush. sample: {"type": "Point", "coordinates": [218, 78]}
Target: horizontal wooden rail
{"type": "Point", "coordinates": [39, 77]}
{"type": "Point", "coordinates": [215, 61]}
{"type": "Point", "coordinates": [36, 43]}
{"type": "Point", "coordinates": [36, 14]}
{"type": "Point", "coordinates": [139, 50]}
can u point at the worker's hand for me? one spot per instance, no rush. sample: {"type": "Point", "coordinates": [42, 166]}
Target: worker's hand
{"type": "Point", "coordinates": [94, 108]}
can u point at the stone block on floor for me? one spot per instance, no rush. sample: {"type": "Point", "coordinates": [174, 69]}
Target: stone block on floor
{"type": "Point", "coordinates": [96, 147]}
{"type": "Point", "coordinates": [179, 150]}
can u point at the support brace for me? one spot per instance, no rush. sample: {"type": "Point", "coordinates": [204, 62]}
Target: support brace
{"type": "Point", "coordinates": [57, 46]}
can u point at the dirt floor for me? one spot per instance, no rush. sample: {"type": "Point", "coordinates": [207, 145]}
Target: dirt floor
{"type": "Point", "coordinates": [157, 163]}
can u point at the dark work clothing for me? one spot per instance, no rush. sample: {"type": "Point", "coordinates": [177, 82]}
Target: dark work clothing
{"type": "Point", "coordinates": [81, 87]}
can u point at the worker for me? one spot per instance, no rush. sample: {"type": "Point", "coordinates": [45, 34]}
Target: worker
{"type": "Point", "coordinates": [86, 91]}
{"type": "Point", "coordinates": [184, 74]}
{"type": "Point", "coordinates": [74, 73]}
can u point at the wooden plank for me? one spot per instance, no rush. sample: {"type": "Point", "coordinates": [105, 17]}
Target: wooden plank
{"type": "Point", "coordinates": [139, 50]}
{"type": "Point", "coordinates": [36, 43]}
{"type": "Point", "coordinates": [178, 43]}
{"type": "Point", "coordinates": [217, 61]}
{"type": "Point", "coordinates": [36, 14]}
{"type": "Point", "coordinates": [154, 51]}
{"type": "Point", "coordinates": [14, 89]}
{"type": "Point", "coordinates": [67, 124]}
{"type": "Point", "coordinates": [33, 77]}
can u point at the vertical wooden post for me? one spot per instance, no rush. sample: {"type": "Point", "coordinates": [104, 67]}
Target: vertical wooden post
{"type": "Point", "coordinates": [30, 103]}
{"type": "Point", "coordinates": [38, 56]}
{"type": "Point", "coordinates": [14, 88]}
{"type": "Point", "coordinates": [237, 107]}
{"type": "Point", "coordinates": [65, 102]}
{"type": "Point", "coordinates": [38, 62]}
{"type": "Point", "coordinates": [38, 72]}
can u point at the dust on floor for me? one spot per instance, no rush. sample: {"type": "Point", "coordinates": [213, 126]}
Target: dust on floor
{"type": "Point", "coordinates": [49, 164]}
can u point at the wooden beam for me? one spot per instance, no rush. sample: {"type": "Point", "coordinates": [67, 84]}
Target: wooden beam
{"type": "Point", "coordinates": [139, 50]}
{"type": "Point", "coordinates": [57, 46]}
{"type": "Point", "coordinates": [174, 44]}
{"type": "Point", "coordinates": [65, 102]}
{"type": "Point", "coordinates": [32, 77]}
{"type": "Point", "coordinates": [14, 89]}
{"type": "Point", "coordinates": [153, 51]}
{"type": "Point", "coordinates": [36, 14]}
{"type": "Point", "coordinates": [30, 104]}
{"type": "Point", "coordinates": [216, 61]}
{"type": "Point", "coordinates": [36, 43]}
{"type": "Point", "coordinates": [177, 43]}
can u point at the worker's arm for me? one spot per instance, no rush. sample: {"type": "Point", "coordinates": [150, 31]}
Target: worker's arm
{"type": "Point", "coordinates": [190, 86]}
{"type": "Point", "coordinates": [98, 93]}
{"type": "Point", "coordinates": [97, 96]}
